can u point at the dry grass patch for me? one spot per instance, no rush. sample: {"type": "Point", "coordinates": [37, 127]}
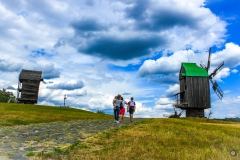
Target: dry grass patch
{"type": "Point", "coordinates": [161, 139]}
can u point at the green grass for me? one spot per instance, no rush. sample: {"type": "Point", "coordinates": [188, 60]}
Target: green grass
{"type": "Point", "coordinates": [166, 139]}
{"type": "Point", "coordinates": [23, 114]}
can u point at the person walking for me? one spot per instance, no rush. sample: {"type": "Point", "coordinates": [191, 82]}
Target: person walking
{"type": "Point", "coordinates": [118, 101]}
{"type": "Point", "coordinates": [132, 108]}
{"type": "Point", "coordinates": [122, 110]}
{"type": "Point", "coordinates": [114, 107]}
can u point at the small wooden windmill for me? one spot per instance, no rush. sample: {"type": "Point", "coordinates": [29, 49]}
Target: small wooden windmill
{"type": "Point", "coordinates": [194, 95]}
{"type": "Point", "coordinates": [28, 86]}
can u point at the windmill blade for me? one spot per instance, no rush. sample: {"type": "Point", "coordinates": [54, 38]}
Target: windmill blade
{"type": "Point", "coordinates": [202, 65]}
{"type": "Point", "coordinates": [209, 56]}
{"type": "Point", "coordinates": [217, 89]}
{"type": "Point", "coordinates": [218, 69]}
{"type": "Point", "coordinates": [17, 94]}
{"type": "Point", "coordinates": [18, 90]}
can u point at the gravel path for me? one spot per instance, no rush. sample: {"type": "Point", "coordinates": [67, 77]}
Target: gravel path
{"type": "Point", "coordinates": [20, 142]}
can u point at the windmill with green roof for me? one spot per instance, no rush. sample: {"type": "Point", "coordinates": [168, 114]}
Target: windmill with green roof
{"type": "Point", "coordinates": [194, 95]}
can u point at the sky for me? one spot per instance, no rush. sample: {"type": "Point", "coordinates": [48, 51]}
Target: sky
{"type": "Point", "coordinates": [91, 51]}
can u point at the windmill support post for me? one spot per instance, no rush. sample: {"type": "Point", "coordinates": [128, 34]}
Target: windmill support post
{"type": "Point", "coordinates": [193, 112]}
{"type": "Point", "coordinates": [65, 97]}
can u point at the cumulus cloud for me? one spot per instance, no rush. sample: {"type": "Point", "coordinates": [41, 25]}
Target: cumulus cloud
{"type": "Point", "coordinates": [140, 28]}
{"type": "Point", "coordinates": [60, 42]}
{"type": "Point", "coordinates": [88, 25]}
{"type": "Point", "coordinates": [227, 107]}
{"type": "Point", "coordinates": [234, 71]}
{"type": "Point", "coordinates": [49, 71]}
{"type": "Point", "coordinates": [166, 64]}
{"type": "Point", "coordinates": [173, 89]}
{"type": "Point", "coordinates": [163, 15]}
{"type": "Point", "coordinates": [8, 66]}
{"type": "Point", "coordinates": [67, 85]}
{"type": "Point", "coordinates": [164, 79]}
{"type": "Point", "coordinates": [164, 103]}
{"type": "Point", "coordinates": [11, 88]}
{"type": "Point", "coordinates": [230, 55]}
{"type": "Point", "coordinates": [120, 48]}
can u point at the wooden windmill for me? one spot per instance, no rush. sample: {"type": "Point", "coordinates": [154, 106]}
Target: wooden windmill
{"type": "Point", "coordinates": [28, 86]}
{"type": "Point", "coordinates": [194, 95]}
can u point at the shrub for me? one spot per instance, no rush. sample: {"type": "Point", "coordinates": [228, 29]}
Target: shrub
{"type": "Point", "coordinates": [6, 96]}
{"type": "Point", "coordinates": [101, 112]}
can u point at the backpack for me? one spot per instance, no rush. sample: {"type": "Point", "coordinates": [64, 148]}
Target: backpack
{"type": "Point", "coordinates": [131, 104]}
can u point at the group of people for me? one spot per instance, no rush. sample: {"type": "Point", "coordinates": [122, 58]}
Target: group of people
{"type": "Point", "coordinates": [119, 108]}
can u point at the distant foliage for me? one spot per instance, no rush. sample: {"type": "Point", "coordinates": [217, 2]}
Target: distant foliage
{"type": "Point", "coordinates": [65, 106]}
{"type": "Point", "coordinates": [237, 119]}
{"type": "Point", "coordinates": [101, 112]}
{"type": "Point", "coordinates": [7, 97]}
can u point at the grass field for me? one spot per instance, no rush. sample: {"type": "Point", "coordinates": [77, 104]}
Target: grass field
{"type": "Point", "coordinates": [167, 139]}
{"type": "Point", "coordinates": [23, 114]}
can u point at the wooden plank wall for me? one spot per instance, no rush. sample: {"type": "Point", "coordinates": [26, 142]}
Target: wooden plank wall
{"type": "Point", "coordinates": [198, 92]}
{"type": "Point", "coordinates": [182, 88]}
{"type": "Point", "coordinates": [29, 85]}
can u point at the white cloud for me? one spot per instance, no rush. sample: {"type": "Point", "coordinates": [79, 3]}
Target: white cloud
{"type": "Point", "coordinates": [173, 89]}
{"type": "Point", "coordinates": [225, 72]}
{"type": "Point", "coordinates": [227, 107]}
{"type": "Point", "coordinates": [171, 64]}
{"type": "Point", "coordinates": [234, 71]}
{"type": "Point", "coordinates": [46, 103]}
{"type": "Point", "coordinates": [164, 103]}
{"type": "Point", "coordinates": [230, 55]}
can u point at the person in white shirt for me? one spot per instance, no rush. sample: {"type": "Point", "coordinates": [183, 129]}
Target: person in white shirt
{"type": "Point", "coordinates": [118, 101]}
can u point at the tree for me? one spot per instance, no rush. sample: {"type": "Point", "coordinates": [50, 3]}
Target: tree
{"type": "Point", "coordinates": [7, 97]}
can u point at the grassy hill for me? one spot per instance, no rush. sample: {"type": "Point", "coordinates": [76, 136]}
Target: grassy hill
{"type": "Point", "coordinates": [23, 114]}
{"type": "Point", "coordinates": [185, 138]}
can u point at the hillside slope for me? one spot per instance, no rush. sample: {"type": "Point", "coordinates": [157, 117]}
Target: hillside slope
{"type": "Point", "coordinates": [23, 114]}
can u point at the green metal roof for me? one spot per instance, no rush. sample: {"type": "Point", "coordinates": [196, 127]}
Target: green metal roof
{"type": "Point", "coordinates": [193, 70]}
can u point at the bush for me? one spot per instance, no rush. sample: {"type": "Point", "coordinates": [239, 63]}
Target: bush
{"type": "Point", "coordinates": [101, 112]}
{"type": "Point", "coordinates": [7, 97]}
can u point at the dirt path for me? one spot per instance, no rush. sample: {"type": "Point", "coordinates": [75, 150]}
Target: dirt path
{"type": "Point", "coordinates": [21, 142]}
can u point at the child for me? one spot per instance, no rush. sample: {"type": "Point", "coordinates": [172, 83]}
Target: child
{"type": "Point", "coordinates": [122, 110]}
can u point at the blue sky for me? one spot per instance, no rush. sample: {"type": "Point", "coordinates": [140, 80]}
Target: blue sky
{"type": "Point", "coordinates": [93, 50]}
